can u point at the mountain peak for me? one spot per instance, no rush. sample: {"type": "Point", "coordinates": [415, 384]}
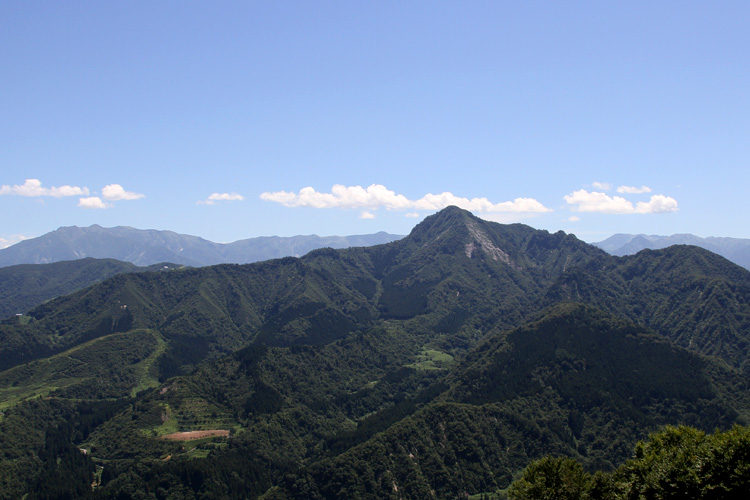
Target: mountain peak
{"type": "Point", "coordinates": [453, 209]}
{"type": "Point", "coordinates": [456, 231]}
{"type": "Point", "coordinates": [446, 219]}
{"type": "Point", "coordinates": [450, 220]}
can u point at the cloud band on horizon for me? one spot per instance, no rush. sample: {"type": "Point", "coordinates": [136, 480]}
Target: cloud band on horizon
{"type": "Point", "coordinates": [33, 188]}
{"type": "Point", "coordinates": [110, 193]}
{"type": "Point", "coordinates": [378, 196]}
{"type": "Point", "coordinates": [217, 197]}
{"type": "Point", "coordinates": [598, 202]}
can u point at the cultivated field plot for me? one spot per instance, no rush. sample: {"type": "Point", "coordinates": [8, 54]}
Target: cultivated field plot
{"type": "Point", "coordinates": [191, 435]}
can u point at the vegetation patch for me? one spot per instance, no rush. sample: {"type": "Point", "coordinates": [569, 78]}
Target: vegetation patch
{"type": "Point", "coordinates": [147, 371]}
{"type": "Point", "coordinates": [432, 359]}
{"type": "Point", "coordinates": [169, 422]}
{"type": "Point", "coordinates": [102, 368]}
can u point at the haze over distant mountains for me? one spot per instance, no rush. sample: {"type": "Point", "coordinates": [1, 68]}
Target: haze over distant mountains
{"type": "Point", "coordinates": [735, 249]}
{"type": "Point", "coordinates": [147, 247]}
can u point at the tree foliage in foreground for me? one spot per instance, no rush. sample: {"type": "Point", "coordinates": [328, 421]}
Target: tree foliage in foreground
{"type": "Point", "coordinates": [676, 462]}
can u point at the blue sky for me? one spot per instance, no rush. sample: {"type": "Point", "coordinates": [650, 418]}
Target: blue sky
{"type": "Point", "coordinates": [230, 120]}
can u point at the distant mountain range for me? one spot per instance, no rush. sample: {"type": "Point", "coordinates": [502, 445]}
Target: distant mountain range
{"type": "Point", "coordinates": [735, 249]}
{"type": "Point", "coordinates": [148, 247]}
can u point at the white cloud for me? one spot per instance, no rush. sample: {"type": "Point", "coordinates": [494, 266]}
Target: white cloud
{"type": "Point", "coordinates": [12, 240]}
{"type": "Point", "coordinates": [367, 215]}
{"type": "Point", "coordinates": [584, 201]}
{"type": "Point", "coordinates": [211, 200]}
{"type": "Point", "coordinates": [604, 186]}
{"type": "Point", "coordinates": [33, 188]}
{"type": "Point", "coordinates": [412, 214]}
{"type": "Point", "coordinates": [373, 197]}
{"type": "Point", "coordinates": [115, 192]}
{"type": "Point", "coordinates": [595, 201]}
{"type": "Point", "coordinates": [378, 196]}
{"type": "Point", "coordinates": [656, 205]}
{"type": "Point", "coordinates": [633, 189]}
{"type": "Point", "coordinates": [574, 218]}
{"type": "Point", "coordinates": [93, 202]}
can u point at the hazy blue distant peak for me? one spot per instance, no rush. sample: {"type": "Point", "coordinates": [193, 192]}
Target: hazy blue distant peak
{"type": "Point", "coordinates": [145, 247]}
{"type": "Point", "coordinates": [735, 249]}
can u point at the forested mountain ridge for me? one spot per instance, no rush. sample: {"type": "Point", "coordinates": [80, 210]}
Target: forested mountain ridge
{"type": "Point", "coordinates": [450, 263]}
{"type": "Point", "coordinates": [24, 286]}
{"type": "Point", "coordinates": [694, 297]}
{"type": "Point", "coordinates": [576, 382]}
{"type": "Point", "coordinates": [145, 247]}
{"type": "Point", "coordinates": [431, 367]}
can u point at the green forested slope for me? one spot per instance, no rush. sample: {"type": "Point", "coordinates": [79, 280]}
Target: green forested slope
{"type": "Point", "coordinates": [108, 367]}
{"type": "Point", "coordinates": [25, 286]}
{"type": "Point", "coordinates": [452, 267]}
{"type": "Point", "coordinates": [697, 299]}
{"type": "Point", "coordinates": [440, 363]}
{"type": "Point", "coordinates": [577, 382]}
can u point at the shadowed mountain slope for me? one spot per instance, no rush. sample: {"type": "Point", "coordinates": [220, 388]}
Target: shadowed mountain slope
{"type": "Point", "coordinates": [576, 382]}
{"type": "Point", "coordinates": [27, 285]}
{"type": "Point", "coordinates": [696, 298]}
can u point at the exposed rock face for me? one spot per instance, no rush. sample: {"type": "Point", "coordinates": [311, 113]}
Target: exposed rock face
{"type": "Point", "coordinates": [485, 244]}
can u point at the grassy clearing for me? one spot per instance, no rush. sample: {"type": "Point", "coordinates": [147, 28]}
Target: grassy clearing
{"type": "Point", "coordinates": [432, 359]}
{"type": "Point", "coordinates": [145, 372]}
{"type": "Point", "coordinates": [200, 448]}
{"type": "Point", "coordinates": [195, 414]}
{"type": "Point", "coordinates": [169, 423]}
{"type": "Point", "coordinates": [39, 385]}
{"type": "Point", "coordinates": [37, 379]}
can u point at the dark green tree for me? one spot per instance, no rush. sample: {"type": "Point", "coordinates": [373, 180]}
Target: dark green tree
{"type": "Point", "coordinates": [683, 462]}
{"type": "Point", "coordinates": [552, 478]}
